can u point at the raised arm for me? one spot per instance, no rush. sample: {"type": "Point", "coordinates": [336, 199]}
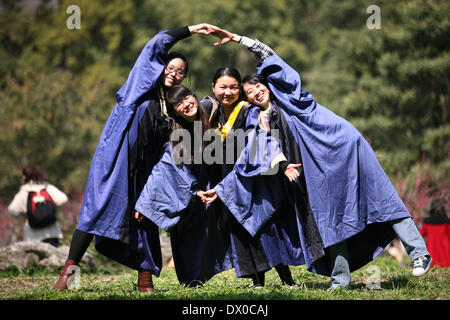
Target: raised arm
{"type": "Point", "coordinates": [284, 82]}
{"type": "Point", "coordinates": [149, 66]}
{"type": "Point", "coordinates": [259, 49]}
{"type": "Point", "coordinates": [150, 63]}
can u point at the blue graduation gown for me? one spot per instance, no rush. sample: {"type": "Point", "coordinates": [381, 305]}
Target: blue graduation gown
{"type": "Point", "coordinates": [123, 160]}
{"type": "Point", "coordinates": [199, 244]}
{"type": "Point", "coordinates": [350, 195]}
{"type": "Point", "coordinates": [250, 254]}
{"type": "Point", "coordinates": [247, 193]}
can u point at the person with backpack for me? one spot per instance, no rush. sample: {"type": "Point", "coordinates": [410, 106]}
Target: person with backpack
{"type": "Point", "coordinates": [38, 201]}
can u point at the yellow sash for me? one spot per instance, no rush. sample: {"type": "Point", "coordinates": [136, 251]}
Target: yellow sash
{"type": "Point", "coordinates": [162, 101]}
{"type": "Point", "coordinates": [267, 110]}
{"type": "Point", "coordinates": [223, 131]}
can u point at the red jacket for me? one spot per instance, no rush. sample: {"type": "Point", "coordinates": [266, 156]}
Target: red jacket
{"type": "Point", "coordinates": [438, 242]}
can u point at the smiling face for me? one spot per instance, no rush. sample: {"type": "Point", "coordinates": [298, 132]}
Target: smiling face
{"type": "Point", "coordinates": [257, 94]}
{"type": "Point", "coordinates": [226, 90]}
{"type": "Point", "coordinates": [174, 72]}
{"type": "Point", "coordinates": [187, 108]}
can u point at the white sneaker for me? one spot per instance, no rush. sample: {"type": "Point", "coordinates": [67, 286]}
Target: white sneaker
{"type": "Point", "coordinates": [421, 265]}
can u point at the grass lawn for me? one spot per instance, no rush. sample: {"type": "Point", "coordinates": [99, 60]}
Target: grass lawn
{"type": "Point", "coordinates": [396, 282]}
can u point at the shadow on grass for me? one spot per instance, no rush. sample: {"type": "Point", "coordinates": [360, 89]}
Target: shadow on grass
{"type": "Point", "coordinates": [394, 283]}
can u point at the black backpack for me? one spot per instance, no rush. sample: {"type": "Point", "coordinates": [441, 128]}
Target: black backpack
{"type": "Point", "coordinates": [41, 210]}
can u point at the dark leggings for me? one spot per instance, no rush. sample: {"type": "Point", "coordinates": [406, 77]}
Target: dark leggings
{"type": "Point", "coordinates": [258, 278]}
{"type": "Point", "coordinates": [283, 271]}
{"type": "Point", "coordinates": [285, 274]}
{"type": "Point", "coordinates": [79, 244]}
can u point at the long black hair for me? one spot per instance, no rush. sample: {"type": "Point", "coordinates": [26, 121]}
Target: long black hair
{"type": "Point", "coordinates": [175, 95]}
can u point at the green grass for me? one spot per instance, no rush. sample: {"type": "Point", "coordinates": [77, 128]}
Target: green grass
{"type": "Point", "coordinates": [397, 283]}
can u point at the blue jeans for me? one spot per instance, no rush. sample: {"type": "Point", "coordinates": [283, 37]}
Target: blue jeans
{"type": "Point", "coordinates": [340, 275]}
{"type": "Point", "coordinates": [413, 242]}
{"type": "Point", "coordinates": [404, 228]}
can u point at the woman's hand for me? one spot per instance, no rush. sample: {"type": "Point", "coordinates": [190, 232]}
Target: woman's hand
{"type": "Point", "coordinates": [225, 36]}
{"type": "Point", "coordinates": [209, 196]}
{"type": "Point", "coordinates": [291, 172]}
{"type": "Point", "coordinates": [200, 194]}
{"type": "Point", "coordinates": [138, 216]}
{"type": "Point", "coordinates": [202, 28]}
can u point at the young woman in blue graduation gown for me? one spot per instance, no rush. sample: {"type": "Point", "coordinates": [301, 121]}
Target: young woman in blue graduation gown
{"type": "Point", "coordinates": [130, 145]}
{"type": "Point", "coordinates": [199, 243]}
{"type": "Point", "coordinates": [354, 210]}
{"type": "Point", "coordinates": [251, 256]}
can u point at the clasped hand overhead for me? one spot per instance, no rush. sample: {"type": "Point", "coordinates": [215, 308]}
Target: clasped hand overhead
{"type": "Point", "coordinates": [209, 29]}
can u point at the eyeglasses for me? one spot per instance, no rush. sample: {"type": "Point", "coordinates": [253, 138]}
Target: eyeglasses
{"type": "Point", "coordinates": [178, 72]}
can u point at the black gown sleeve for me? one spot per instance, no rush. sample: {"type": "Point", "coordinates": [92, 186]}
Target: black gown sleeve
{"type": "Point", "coordinates": [179, 33]}
{"type": "Point", "coordinates": [283, 165]}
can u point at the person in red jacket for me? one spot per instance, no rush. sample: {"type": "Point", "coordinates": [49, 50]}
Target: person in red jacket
{"type": "Point", "coordinates": [436, 230]}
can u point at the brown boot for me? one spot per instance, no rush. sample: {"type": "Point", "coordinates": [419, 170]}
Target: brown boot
{"type": "Point", "coordinates": [61, 284]}
{"type": "Point", "coordinates": [145, 282]}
